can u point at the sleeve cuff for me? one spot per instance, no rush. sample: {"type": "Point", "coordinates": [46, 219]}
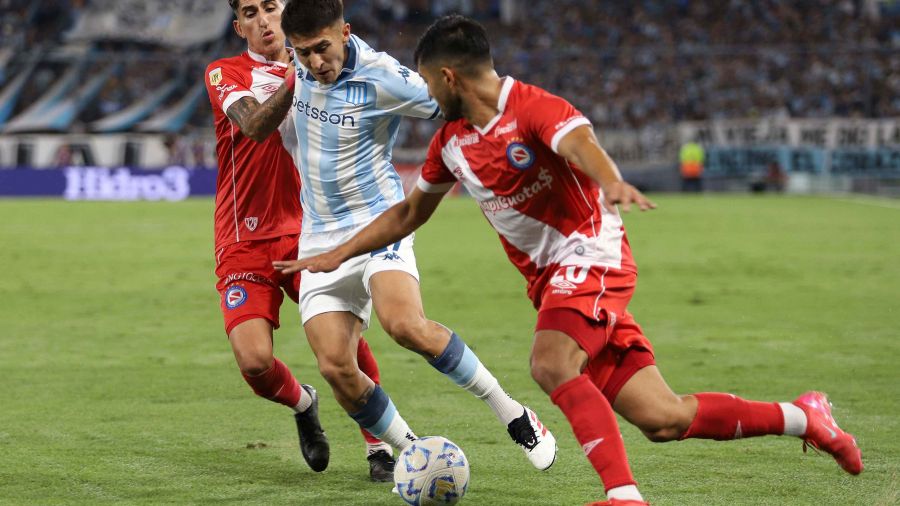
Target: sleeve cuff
{"type": "Point", "coordinates": [572, 125]}
{"type": "Point", "coordinates": [427, 187]}
{"type": "Point", "coordinates": [234, 97]}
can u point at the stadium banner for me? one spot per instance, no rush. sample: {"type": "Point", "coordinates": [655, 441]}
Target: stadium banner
{"type": "Point", "coordinates": [173, 23]}
{"type": "Point", "coordinates": [126, 183]}
{"type": "Point", "coordinates": [739, 162]}
{"type": "Point", "coordinates": [103, 183]}
{"type": "Point", "coordinates": [826, 133]}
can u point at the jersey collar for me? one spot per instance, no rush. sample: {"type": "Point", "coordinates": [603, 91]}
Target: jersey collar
{"type": "Point", "coordinates": [262, 59]}
{"type": "Point", "coordinates": [501, 105]}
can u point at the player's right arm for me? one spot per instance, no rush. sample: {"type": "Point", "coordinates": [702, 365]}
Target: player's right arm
{"type": "Point", "coordinates": [258, 121]}
{"type": "Point", "coordinates": [228, 89]}
{"type": "Point", "coordinates": [391, 226]}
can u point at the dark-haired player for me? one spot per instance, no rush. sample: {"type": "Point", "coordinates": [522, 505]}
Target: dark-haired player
{"type": "Point", "coordinates": [257, 220]}
{"type": "Point", "coordinates": [547, 187]}
{"type": "Point", "coordinates": [348, 103]}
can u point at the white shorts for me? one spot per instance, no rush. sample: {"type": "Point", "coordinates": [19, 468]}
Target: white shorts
{"type": "Point", "coordinates": [347, 288]}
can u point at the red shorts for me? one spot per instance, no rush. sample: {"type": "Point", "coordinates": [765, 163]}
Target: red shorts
{"type": "Point", "coordinates": [249, 287]}
{"type": "Point", "coordinates": [589, 304]}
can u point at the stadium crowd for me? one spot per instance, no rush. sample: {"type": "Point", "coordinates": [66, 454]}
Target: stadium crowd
{"type": "Point", "coordinates": [627, 65]}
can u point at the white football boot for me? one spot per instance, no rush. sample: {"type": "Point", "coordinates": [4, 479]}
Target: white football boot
{"type": "Point", "coordinates": [536, 441]}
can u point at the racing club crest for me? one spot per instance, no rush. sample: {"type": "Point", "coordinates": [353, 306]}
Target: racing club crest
{"type": "Point", "coordinates": [520, 155]}
{"type": "Point", "coordinates": [235, 297]}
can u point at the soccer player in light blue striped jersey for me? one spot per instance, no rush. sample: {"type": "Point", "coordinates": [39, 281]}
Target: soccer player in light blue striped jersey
{"type": "Point", "coordinates": [348, 103]}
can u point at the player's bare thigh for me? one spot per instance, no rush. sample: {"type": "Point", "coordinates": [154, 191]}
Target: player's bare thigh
{"type": "Point", "coordinates": [555, 359]}
{"type": "Point", "coordinates": [251, 342]}
{"type": "Point", "coordinates": [647, 402]}
{"type": "Point", "coordinates": [334, 338]}
{"type": "Point", "coordinates": [398, 303]}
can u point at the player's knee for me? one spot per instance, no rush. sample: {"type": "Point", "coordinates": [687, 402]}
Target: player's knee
{"type": "Point", "coordinates": [411, 333]}
{"type": "Point", "coordinates": [337, 372]}
{"type": "Point", "coordinates": [550, 374]}
{"type": "Point", "coordinates": [254, 364]}
{"type": "Point", "coordinates": [665, 422]}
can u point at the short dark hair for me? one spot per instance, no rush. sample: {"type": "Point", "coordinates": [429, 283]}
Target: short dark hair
{"type": "Point", "coordinates": [308, 17]}
{"type": "Point", "coordinates": [456, 40]}
{"type": "Point", "coordinates": [236, 4]}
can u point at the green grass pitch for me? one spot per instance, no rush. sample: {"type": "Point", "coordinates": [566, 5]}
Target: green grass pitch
{"type": "Point", "coordinates": [117, 384]}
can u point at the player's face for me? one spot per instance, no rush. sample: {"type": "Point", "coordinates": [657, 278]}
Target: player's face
{"type": "Point", "coordinates": [439, 81]}
{"type": "Point", "coordinates": [259, 21]}
{"type": "Point", "coordinates": [323, 53]}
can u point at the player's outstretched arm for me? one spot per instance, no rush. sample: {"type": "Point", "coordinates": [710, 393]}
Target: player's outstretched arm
{"type": "Point", "coordinates": [580, 146]}
{"type": "Point", "coordinates": [394, 224]}
{"type": "Point", "coordinates": [258, 121]}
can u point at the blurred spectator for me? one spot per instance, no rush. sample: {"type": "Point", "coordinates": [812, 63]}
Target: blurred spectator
{"type": "Point", "coordinates": [626, 65]}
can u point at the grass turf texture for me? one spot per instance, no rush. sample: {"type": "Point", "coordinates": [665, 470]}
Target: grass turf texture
{"type": "Point", "coordinates": [117, 384]}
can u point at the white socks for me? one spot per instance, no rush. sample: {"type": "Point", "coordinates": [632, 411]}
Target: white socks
{"type": "Point", "coordinates": [305, 401]}
{"type": "Point", "coordinates": [485, 386]}
{"type": "Point", "coordinates": [626, 493]}
{"type": "Point", "coordinates": [794, 419]}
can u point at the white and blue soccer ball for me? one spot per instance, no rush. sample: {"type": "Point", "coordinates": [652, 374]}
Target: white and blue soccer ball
{"type": "Point", "coordinates": [432, 470]}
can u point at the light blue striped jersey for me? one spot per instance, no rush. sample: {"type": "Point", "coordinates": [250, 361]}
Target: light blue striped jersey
{"type": "Point", "coordinates": [346, 131]}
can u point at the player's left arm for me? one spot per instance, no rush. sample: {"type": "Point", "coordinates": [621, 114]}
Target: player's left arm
{"type": "Point", "coordinates": [581, 147]}
{"type": "Point", "coordinates": [391, 226]}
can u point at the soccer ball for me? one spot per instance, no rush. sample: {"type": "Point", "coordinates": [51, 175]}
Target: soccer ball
{"type": "Point", "coordinates": [432, 470]}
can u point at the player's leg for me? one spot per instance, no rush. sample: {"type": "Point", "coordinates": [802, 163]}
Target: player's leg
{"type": "Point", "coordinates": [647, 402]}
{"type": "Point", "coordinates": [378, 453]}
{"type": "Point", "coordinates": [398, 304]}
{"type": "Point", "coordinates": [333, 338]}
{"type": "Point", "coordinates": [558, 360]}
{"type": "Point", "coordinates": [250, 336]}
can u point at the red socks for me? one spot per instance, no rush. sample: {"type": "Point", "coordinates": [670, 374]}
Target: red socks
{"type": "Point", "coordinates": [279, 385]}
{"type": "Point", "coordinates": [276, 384]}
{"type": "Point", "coordinates": [725, 416]}
{"type": "Point", "coordinates": [595, 426]}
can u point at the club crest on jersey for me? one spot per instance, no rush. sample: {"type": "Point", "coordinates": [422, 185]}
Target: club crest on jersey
{"type": "Point", "coordinates": [357, 93]}
{"type": "Point", "coordinates": [235, 297]}
{"type": "Point", "coordinates": [520, 155]}
{"type": "Point", "coordinates": [251, 223]}
{"type": "Point", "coordinates": [215, 76]}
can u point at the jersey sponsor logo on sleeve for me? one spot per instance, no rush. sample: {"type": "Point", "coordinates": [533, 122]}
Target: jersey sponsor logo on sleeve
{"type": "Point", "coordinates": [251, 223]}
{"type": "Point", "coordinates": [562, 124]}
{"type": "Point", "coordinates": [224, 88]}
{"type": "Point", "coordinates": [404, 73]}
{"type": "Point", "coordinates": [215, 76]}
{"type": "Point", "coordinates": [235, 297]}
{"type": "Point", "coordinates": [520, 155]}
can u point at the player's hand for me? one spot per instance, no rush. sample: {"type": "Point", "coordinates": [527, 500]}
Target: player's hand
{"type": "Point", "coordinates": [326, 262]}
{"type": "Point", "coordinates": [620, 192]}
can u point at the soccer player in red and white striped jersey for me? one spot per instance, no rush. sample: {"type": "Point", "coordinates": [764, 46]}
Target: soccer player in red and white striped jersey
{"type": "Point", "coordinates": [534, 165]}
{"type": "Point", "coordinates": [258, 216]}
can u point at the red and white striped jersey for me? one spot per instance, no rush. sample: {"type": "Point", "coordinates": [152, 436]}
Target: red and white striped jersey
{"type": "Point", "coordinates": [258, 186]}
{"type": "Point", "coordinates": [547, 212]}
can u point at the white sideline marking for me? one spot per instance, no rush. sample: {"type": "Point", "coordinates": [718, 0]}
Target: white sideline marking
{"type": "Point", "coordinates": [870, 201]}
